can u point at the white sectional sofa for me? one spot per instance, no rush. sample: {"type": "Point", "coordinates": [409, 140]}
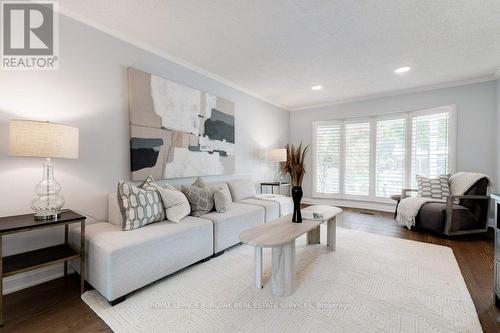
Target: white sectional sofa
{"type": "Point", "coordinates": [119, 262]}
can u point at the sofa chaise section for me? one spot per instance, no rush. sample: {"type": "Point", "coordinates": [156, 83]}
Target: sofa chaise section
{"type": "Point", "coordinates": [272, 209]}
{"type": "Point", "coordinates": [228, 226]}
{"type": "Point", "coordinates": [119, 262]}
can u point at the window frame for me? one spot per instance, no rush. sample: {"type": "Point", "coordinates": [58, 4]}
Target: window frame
{"type": "Point", "coordinates": [408, 117]}
{"type": "Point", "coordinates": [344, 156]}
{"type": "Point", "coordinates": [341, 180]}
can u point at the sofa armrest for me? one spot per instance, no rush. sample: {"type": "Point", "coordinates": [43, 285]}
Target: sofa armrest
{"type": "Point", "coordinates": [404, 192]}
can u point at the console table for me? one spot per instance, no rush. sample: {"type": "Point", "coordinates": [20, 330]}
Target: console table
{"type": "Point", "coordinates": [279, 185]}
{"type": "Point", "coordinates": [27, 261]}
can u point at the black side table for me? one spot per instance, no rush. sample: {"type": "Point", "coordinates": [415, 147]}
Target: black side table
{"type": "Point", "coordinates": [27, 261]}
{"type": "Point", "coordinates": [279, 185]}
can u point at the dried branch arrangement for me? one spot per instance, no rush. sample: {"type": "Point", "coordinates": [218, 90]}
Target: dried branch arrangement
{"type": "Point", "coordinates": [295, 163]}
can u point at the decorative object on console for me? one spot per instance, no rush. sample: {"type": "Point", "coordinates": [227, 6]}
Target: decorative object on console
{"type": "Point", "coordinates": [44, 139]}
{"type": "Point", "coordinates": [177, 131]}
{"type": "Point", "coordinates": [139, 205]}
{"type": "Point", "coordinates": [295, 166]}
{"type": "Point", "coordinates": [277, 156]}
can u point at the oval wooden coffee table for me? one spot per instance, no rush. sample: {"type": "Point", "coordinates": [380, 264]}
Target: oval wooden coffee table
{"type": "Point", "coordinates": [280, 235]}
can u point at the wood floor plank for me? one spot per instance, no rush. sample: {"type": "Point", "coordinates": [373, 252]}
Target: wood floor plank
{"type": "Point", "coordinates": [56, 306]}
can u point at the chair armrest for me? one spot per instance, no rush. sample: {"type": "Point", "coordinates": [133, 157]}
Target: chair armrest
{"type": "Point", "coordinates": [470, 197]}
{"type": "Point", "coordinates": [405, 191]}
{"type": "Point", "coordinates": [450, 200]}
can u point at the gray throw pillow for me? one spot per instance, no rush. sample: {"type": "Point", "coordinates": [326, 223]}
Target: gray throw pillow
{"type": "Point", "coordinates": [222, 201]}
{"type": "Point", "coordinates": [139, 205]}
{"type": "Point", "coordinates": [435, 188]}
{"type": "Point", "coordinates": [200, 199]}
{"type": "Point", "coordinates": [200, 183]}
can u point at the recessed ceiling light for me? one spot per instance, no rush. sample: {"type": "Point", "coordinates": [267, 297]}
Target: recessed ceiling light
{"type": "Point", "coordinates": [402, 69]}
{"type": "Point", "coordinates": [317, 87]}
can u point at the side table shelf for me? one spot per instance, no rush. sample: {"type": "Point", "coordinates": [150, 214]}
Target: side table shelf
{"type": "Point", "coordinates": [22, 262]}
{"type": "Point", "coordinates": [27, 261]}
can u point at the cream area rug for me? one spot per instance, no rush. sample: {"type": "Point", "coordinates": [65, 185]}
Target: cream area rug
{"type": "Point", "coordinates": [372, 283]}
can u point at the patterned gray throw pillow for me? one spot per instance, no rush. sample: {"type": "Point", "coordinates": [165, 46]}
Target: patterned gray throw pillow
{"type": "Point", "coordinates": [200, 199]}
{"type": "Point", "coordinates": [435, 188]}
{"type": "Point", "coordinates": [139, 205]}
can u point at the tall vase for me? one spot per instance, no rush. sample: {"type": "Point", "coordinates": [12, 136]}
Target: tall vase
{"type": "Point", "coordinates": [296, 197]}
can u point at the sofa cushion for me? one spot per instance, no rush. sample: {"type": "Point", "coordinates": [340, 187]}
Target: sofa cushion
{"type": "Point", "coordinates": [242, 189]}
{"type": "Point", "coordinates": [229, 225]}
{"type": "Point", "coordinates": [272, 208]}
{"type": "Point", "coordinates": [120, 262]}
{"type": "Point", "coordinates": [139, 205]}
{"type": "Point", "coordinates": [200, 199]}
{"type": "Point", "coordinates": [114, 214]}
{"type": "Point", "coordinates": [432, 216]}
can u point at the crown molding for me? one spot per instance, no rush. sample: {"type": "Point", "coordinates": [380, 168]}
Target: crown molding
{"type": "Point", "coordinates": [481, 79]}
{"type": "Point", "coordinates": [164, 55]}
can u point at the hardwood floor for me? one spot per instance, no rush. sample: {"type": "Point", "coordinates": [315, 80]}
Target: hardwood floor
{"type": "Point", "coordinates": [56, 306]}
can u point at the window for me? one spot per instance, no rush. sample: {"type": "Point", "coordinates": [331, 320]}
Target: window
{"type": "Point", "coordinates": [357, 158]}
{"type": "Point", "coordinates": [327, 156]}
{"type": "Point", "coordinates": [390, 157]}
{"type": "Point", "coordinates": [429, 145]}
{"type": "Point", "coordinates": [377, 157]}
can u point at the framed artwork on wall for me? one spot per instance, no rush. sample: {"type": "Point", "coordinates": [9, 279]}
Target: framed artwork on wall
{"type": "Point", "coordinates": [178, 131]}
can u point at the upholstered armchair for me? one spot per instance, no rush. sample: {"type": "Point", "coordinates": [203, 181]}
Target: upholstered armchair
{"type": "Point", "coordinates": [459, 215]}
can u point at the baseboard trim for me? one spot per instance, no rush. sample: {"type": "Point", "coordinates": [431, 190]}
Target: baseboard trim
{"type": "Point", "coordinates": [384, 207]}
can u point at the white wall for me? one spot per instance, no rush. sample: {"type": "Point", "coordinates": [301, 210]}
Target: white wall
{"type": "Point", "coordinates": [476, 113]}
{"type": "Point", "coordinates": [497, 151]}
{"type": "Point", "coordinates": [90, 91]}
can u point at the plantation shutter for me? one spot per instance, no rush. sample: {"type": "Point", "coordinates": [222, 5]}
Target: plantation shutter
{"type": "Point", "coordinates": [327, 157]}
{"type": "Point", "coordinates": [390, 157]}
{"type": "Point", "coordinates": [357, 158]}
{"type": "Point", "coordinates": [429, 145]}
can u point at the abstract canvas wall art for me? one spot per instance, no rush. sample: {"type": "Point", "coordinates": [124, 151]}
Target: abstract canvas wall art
{"type": "Point", "coordinates": [177, 131]}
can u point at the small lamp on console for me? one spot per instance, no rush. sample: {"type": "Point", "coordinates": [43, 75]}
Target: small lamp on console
{"type": "Point", "coordinates": [44, 139]}
{"type": "Point", "coordinates": [277, 156]}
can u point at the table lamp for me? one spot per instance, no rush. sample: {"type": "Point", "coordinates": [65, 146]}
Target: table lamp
{"type": "Point", "coordinates": [44, 139]}
{"type": "Point", "coordinates": [277, 156]}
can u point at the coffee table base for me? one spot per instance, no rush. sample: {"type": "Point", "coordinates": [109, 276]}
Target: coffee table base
{"type": "Point", "coordinates": [283, 260]}
{"type": "Point", "coordinates": [282, 281]}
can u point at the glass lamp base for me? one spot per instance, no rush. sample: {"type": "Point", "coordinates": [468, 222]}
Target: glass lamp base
{"type": "Point", "coordinates": [48, 202]}
{"type": "Point", "coordinates": [40, 217]}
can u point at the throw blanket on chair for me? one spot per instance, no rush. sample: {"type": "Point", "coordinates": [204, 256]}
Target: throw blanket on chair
{"type": "Point", "coordinates": [286, 203]}
{"type": "Point", "coordinates": [460, 183]}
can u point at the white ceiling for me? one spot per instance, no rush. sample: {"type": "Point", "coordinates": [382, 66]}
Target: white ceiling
{"type": "Point", "coordinates": [278, 49]}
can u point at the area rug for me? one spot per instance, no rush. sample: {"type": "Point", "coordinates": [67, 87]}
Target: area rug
{"type": "Point", "coordinates": [372, 283]}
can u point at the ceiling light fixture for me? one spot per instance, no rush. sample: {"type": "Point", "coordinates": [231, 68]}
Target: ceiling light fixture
{"type": "Point", "coordinates": [317, 87]}
{"type": "Point", "coordinates": [402, 69]}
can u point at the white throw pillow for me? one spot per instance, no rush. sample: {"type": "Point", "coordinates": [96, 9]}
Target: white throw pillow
{"type": "Point", "coordinates": [241, 189]}
{"type": "Point", "coordinates": [175, 203]}
{"type": "Point", "coordinates": [222, 201]}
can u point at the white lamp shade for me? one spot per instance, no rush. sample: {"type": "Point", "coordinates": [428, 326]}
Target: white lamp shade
{"type": "Point", "coordinates": [277, 155]}
{"type": "Point", "coordinates": [43, 139]}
